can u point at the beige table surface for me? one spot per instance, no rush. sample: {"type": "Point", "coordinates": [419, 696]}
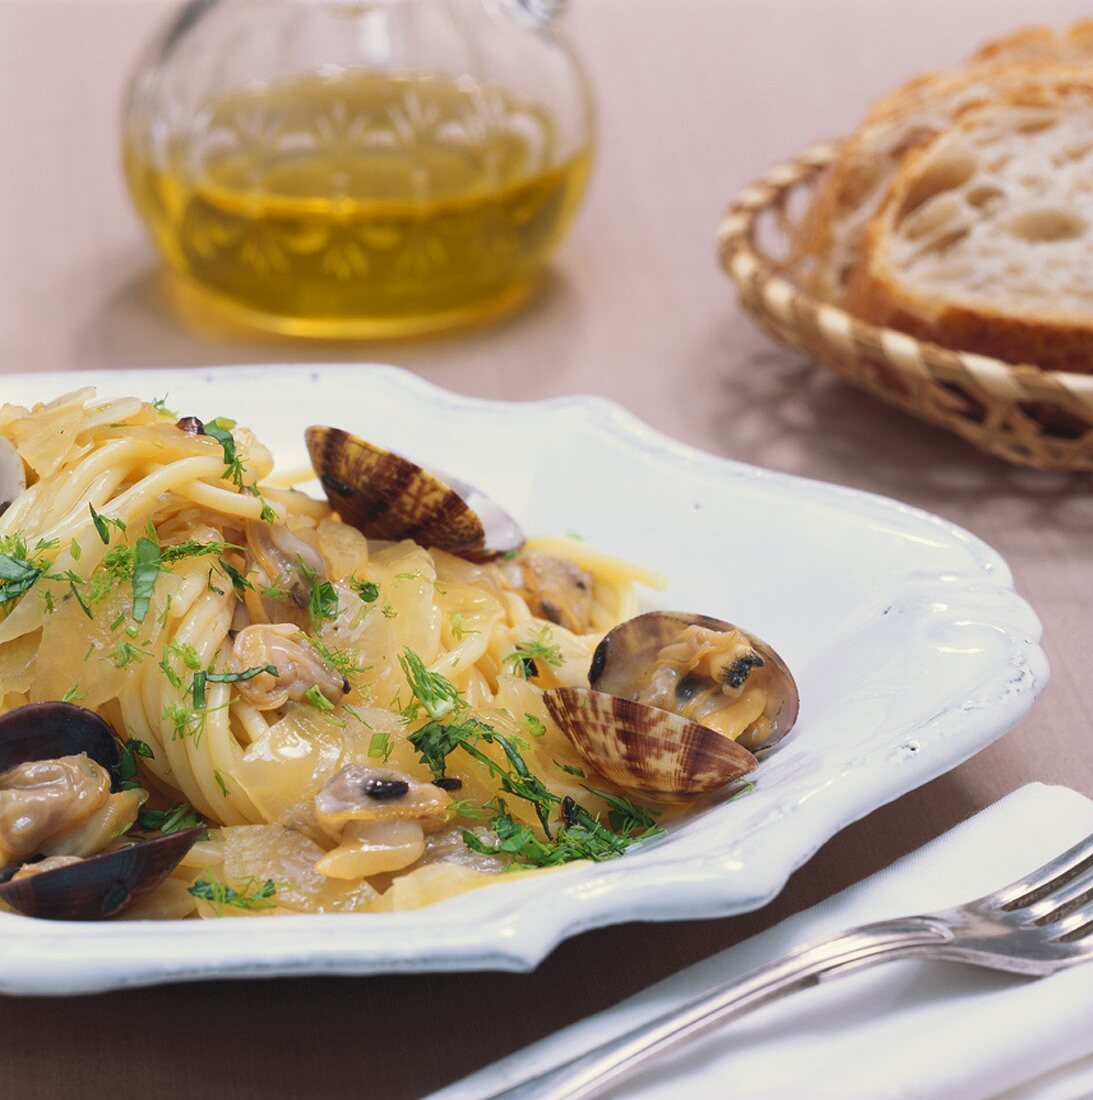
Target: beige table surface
{"type": "Point", "coordinates": [696, 97]}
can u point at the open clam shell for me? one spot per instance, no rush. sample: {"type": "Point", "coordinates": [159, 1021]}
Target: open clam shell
{"type": "Point", "coordinates": [646, 749]}
{"type": "Point", "coordinates": [100, 886]}
{"type": "Point", "coordinates": [625, 660]}
{"type": "Point", "coordinates": [386, 496]}
{"type": "Point", "coordinates": [48, 731]}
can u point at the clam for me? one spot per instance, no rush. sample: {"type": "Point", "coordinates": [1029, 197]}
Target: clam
{"type": "Point", "coordinates": [676, 703]}
{"type": "Point", "coordinates": [386, 496]}
{"type": "Point", "coordinates": [13, 475]}
{"type": "Point", "coordinates": [99, 886]}
{"type": "Point", "coordinates": [48, 731]}
{"type": "Point", "coordinates": [60, 798]}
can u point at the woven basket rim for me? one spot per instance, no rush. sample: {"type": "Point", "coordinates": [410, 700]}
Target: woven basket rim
{"type": "Point", "coordinates": [737, 248]}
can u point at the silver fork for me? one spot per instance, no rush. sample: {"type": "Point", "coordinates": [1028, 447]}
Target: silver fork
{"type": "Point", "coordinates": [1035, 926]}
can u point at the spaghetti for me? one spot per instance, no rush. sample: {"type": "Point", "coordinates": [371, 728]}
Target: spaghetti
{"type": "Point", "coordinates": [252, 650]}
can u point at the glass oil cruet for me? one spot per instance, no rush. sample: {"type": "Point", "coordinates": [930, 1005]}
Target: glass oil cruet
{"type": "Point", "coordinates": [369, 168]}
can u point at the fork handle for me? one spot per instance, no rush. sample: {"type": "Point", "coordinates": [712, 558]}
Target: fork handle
{"type": "Point", "coordinates": [869, 945]}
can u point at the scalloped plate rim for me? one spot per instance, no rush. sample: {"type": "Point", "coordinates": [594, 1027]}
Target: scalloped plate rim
{"type": "Point", "coordinates": [52, 958]}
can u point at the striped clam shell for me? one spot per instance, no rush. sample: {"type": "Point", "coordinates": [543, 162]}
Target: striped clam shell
{"type": "Point", "coordinates": [646, 749]}
{"type": "Point", "coordinates": [623, 659]}
{"type": "Point", "coordinates": [386, 496]}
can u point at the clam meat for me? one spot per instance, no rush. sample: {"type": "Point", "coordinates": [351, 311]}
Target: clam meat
{"type": "Point", "coordinates": [676, 703]}
{"type": "Point", "coordinates": [61, 812]}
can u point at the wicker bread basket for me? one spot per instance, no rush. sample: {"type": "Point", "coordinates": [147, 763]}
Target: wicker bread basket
{"type": "Point", "coordinates": [1028, 416]}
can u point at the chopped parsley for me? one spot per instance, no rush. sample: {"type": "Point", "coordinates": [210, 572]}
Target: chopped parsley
{"type": "Point", "coordinates": [536, 726]}
{"type": "Point", "coordinates": [179, 817]}
{"type": "Point", "coordinates": [18, 576]}
{"type": "Point", "coordinates": [570, 769]}
{"type": "Point", "coordinates": [322, 603]}
{"type": "Point", "coordinates": [220, 430]}
{"type": "Point", "coordinates": [367, 591]}
{"type": "Point", "coordinates": [239, 582]}
{"type": "Point", "coordinates": [581, 836]}
{"type": "Point", "coordinates": [252, 894]}
{"type": "Point", "coordinates": [125, 770]}
{"type": "Point", "coordinates": [146, 565]}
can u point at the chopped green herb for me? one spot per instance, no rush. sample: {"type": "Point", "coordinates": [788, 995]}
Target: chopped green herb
{"type": "Point", "coordinates": [624, 816]}
{"type": "Point", "coordinates": [368, 591]}
{"type": "Point", "coordinates": [435, 694]}
{"type": "Point", "coordinates": [160, 405]}
{"type": "Point", "coordinates": [536, 726]}
{"type": "Point", "coordinates": [466, 807]}
{"type": "Point", "coordinates": [252, 895]}
{"type": "Point", "coordinates": [79, 599]}
{"type": "Point", "coordinates": [322, 603]}
{"type": "Point", "coordinates": [240, 677]}
{"type": "Point", "coordinates": [126, 767]}
{"type": "Point", "coordinates": [100, 525]}
{"type": "Point", "coordinates": [75, 550]}
{"type": "Point", "coordinates": [73, 695]}
{"type": "Point", "coordinates": [388, 611]}
{"type": "Point", "coordinates": [220, 783]}
{"type": "Point", "coordinates": [525, 657]}
{"type": "Point", "coordinates": [17, 576]}
{"type": "Point", "coordinates": [146, 566]}
{"type": "Point", "coordinates": [179, 817]}
{"type": "Point", "coordinates": [318, 700]}
{"type": "Point", "coordinates": [570, 769]}
{"type": "Point", "coordinates": [459, 631]}
{"type": "Point", "coordinates": [345, 662]}
{"type": "Point", "coordinates": [197, 690]}
{"type": "Point", "coordinates": [380, 746]}
{"type": "Point", "coordinates": [186, 721]}
{"type": "Point", "coordinates": [220, 430]}
{"type": "Point", "coordinates": [239, 582]}
{"type": "Point", "coordinates": [125, 653]}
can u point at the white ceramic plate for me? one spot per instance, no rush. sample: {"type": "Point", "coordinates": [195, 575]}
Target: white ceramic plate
{"type": "Point", "coordinates": [910, 647]}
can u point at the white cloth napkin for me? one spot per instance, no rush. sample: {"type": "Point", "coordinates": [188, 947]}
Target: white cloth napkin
{"type": "Point", "coordinates": [909, 1029]}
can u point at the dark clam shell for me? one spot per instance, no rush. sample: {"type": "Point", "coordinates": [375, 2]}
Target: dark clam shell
{"type": "Point", "coordinates": [621, 664]}
{"type": "Point", "coordinates": [386, 496]}
{"type": "Point", "coordinates": [48, 731]}
{"type": "Point", "coordinates": [100, 886]}
{"type": "Point", "coordinates": [646, 749]}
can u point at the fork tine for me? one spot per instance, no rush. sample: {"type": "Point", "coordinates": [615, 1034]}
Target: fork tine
{"type": "Point", "coordinates": [1075, 926]}
{"type": "Point", "coordinates": [1063, 899]}
{"type": "Point", "coordinates": [1044, 880]}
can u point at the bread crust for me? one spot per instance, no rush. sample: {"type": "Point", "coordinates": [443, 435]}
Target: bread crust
{"type": "Point", "coordinates": [829, 245]}
{"type": "Point", "coordinates": [877, 293]}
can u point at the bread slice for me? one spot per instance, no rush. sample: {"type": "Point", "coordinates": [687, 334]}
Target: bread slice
{"type": "Point", "coordinates": [985, 242]}
{"type": "Point", "coordinates": [828, 246]}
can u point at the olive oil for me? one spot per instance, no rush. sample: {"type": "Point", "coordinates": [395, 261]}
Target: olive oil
{"type": "Point", "coordinates": [362, 204]}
